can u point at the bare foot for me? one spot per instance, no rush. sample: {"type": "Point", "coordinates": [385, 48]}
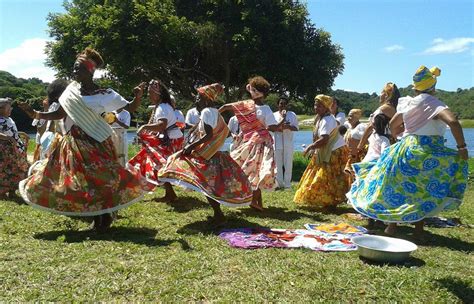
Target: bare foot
{"type": "Point", "coordinates": [256, 206]}
{"type": "Point", "coordinates": [391, 229]}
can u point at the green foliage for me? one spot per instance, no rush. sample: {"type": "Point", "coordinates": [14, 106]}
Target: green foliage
{"type": "Point", "coordinates": [188, 43]}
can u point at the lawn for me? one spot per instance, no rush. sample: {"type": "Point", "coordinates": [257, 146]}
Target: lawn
{"type": "Point", "coordinates": [169, 253]}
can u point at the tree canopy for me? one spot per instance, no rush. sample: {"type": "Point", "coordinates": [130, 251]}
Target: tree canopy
{"type": "Point", "coordinates": [187, 43]}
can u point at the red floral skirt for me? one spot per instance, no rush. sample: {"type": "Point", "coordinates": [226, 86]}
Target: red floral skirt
{"type": "Point", "coordinates": [81, 177]}
{"type": "Point", "coordinates": [13, 166]}
{"type": "Point", "coordinates": [153, 156]}
{"type": "Point", "coordinates": [219, 178]}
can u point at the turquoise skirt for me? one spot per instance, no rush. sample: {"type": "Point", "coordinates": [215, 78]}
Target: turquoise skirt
{"type": "Point", "coordinates": [415, 178]}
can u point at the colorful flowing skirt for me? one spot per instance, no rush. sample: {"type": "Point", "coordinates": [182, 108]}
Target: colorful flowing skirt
{"type": "Point", "coordinates": [153, 156]}
{"type": "Point", "coordinates": [324, 185]}
{"type": "Point", "coordinates": [219, 178]}
{"type": "Point", "coordinates": [13, 166]}
{"type": "Point", "coordinates": [415, 178]}
{"type": "Point", "coordinates": [255, 155]}
{"type": "Point", "coordinates": [81, 177]}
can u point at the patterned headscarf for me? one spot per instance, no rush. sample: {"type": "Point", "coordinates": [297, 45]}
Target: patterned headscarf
{"type": "Point", "coordinates": [325, 100]}
{"type": "Point", "coordinates": [211, 91]}
{"type": "Point", "coordinates": [154, 85]}
{"type": "Point", "coordinates": [425, 80]}
{"type": "Point", "coordinates": [356, 113]}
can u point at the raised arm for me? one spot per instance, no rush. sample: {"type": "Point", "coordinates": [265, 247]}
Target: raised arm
{"type": "Point", "coordinates": [137, 100]}
{"type": "Point", "coordinates": [396, 125]}
{"type": "Point", "coordinates": [55, 115]}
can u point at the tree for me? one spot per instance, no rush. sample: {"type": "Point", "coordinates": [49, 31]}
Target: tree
{"type": "Point", "coordinates": [188, 43]}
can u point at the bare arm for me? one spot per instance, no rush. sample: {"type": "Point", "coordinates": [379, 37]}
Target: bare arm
{"type": "Point", "coordinates": [55, 115]}
{"type": "Point", "coordinates": [208, 129]}
{"type": "Point", "coordinates": [323, 140]}
{"type": "Point", "coordinates": [365, 137]}
{"type": "Point", "coordinates": [396, 125]}
{"type": "Point", "coordinates": [160, 126]}
{"type": "Point", "coordinates": [448, 117]}
{"type": "Point", "coordinates": [137, 100]}
{"type": "Point", "coordinates": [121, 124]}
{"type": "Point", "coordinates": [226, 108]}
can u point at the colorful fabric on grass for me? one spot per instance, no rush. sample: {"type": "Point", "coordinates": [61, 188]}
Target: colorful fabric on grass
{"type": "Point", "coordinates": [341, 228]}
{"type": "Point", "coordinates": [256, 238]}
{"type": "Point", "coordinates": [324, 185]}
{"type": "Point", "coordinates": [255, 153]}
{"type": "Point", "coordinates": [81, 177]}
{"type": "Point", "coordinates": [153, 155]}
{"type": "Point", "coordinates": [417, 177]}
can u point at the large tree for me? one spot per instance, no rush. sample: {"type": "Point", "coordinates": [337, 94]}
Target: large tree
{"type": "Point", "coordinates": [188, 43]}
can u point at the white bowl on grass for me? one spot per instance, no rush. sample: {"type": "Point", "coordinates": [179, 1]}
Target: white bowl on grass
{"type": "Point", "coordinates": [383, 249]}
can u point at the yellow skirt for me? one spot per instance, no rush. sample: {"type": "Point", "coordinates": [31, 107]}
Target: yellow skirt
{"type": "Point", "coordinates": [324, 185]}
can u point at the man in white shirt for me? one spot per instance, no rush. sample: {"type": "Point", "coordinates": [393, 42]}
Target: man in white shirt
{"type": "Point", "coordinates": [120, 126]}
{"type": "Point", "coordinates": [193, 116]}
{"type": "Point", "coordinates": [284, 143]}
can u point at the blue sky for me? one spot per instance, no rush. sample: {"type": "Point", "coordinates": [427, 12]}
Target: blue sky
{"type": "Point", "coordinates": [382, 40]}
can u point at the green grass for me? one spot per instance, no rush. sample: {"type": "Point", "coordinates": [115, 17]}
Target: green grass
{"type": "Point", "coordinates": [168, 253]}
{"type": "Point", "coordinates": [467, 123]}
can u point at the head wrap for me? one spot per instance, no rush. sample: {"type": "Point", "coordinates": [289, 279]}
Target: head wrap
{"type": "Point", "coordinates": [325, 100]}
{"type": "Point", "coordinates": [425, 80]}
{"type": "Point", "coordinates": [211, 91]}
{"type": "Point", "coordinates": [356, 113]}
{"type": "Point", "coordinates": [5, 101]}
{"type": "Point", "coordinates": [90, 64]}
{"type": "Point", "coordinates": [154, 85]}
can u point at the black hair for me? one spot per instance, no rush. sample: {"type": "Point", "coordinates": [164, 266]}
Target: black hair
{"type": "Point", "coordinates": [342, 130]}
{"type": "Point", "coordinates": [284, 98]}
{"type": "Point", "coordinates": [381, 124]}
{"type": "Point", "coordinates": [55, 89]}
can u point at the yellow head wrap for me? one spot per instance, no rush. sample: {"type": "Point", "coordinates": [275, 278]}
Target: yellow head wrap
{"type": "Point", "coordinates": [425, 80]}
{"type": "Point", "coordinates": [325, 100]}
{"type": "Point", "coordinates": [356, 113]}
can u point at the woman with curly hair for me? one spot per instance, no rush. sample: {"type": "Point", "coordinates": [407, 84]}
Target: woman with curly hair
{"type": "Point", "coordinates": [82, 175]}
{"type": "Point", "coordinates": [255, 152]}
{"type": "Point", "coordinates": [418, 176]}
{"type": "Point", "coordinates": [160, 138]}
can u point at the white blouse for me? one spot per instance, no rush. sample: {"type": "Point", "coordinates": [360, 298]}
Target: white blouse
{"type": "Point", "coordinates": [326, 125]}
{"type": "Point", "coordinates": [265, 115]}
{"type": "Point", "coordinates": [165, 111]}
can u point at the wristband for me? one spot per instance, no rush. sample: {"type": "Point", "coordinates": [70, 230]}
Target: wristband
{"type": "Point", "coordinates": [461, 146]}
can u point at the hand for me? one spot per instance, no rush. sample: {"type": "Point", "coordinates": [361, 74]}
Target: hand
{"type": "Point", "coordinates": [27, 109]}
{"type": "Point", "coordinates": [139, 89]}
{"type": "Point", "coordinates": [187, 150]}
{"type": "Point", "coordinates": [141, 129]}
{"type": "Point", "coordinates": [308, 150]}
{"type": "Point", "coordinates": [463, 154]}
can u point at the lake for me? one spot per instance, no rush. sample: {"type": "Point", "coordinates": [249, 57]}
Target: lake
{"type": "Point", "coordinates": [305, 137]}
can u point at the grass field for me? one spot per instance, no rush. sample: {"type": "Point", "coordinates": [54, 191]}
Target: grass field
{"type": "Point", "coordinates": [169, 253]}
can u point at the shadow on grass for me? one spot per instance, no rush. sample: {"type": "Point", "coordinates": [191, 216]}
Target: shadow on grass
{"type": "Point", "coordinates": [458, 287]}
{"type": "Point", "coordinates": [411, 262]}
{"type": "Point", "coordinates": [432, 240]}
{"type": "Point", "coordinates": [282, 214]}
{"type": "Point", "coordinates": [207, 228]}
{"type": "Point", "coordinates": [334, 210]}
{"type": "Point", "coordinates": [183, 204]}
{"type": "Point", "coordinates": [142, 236]}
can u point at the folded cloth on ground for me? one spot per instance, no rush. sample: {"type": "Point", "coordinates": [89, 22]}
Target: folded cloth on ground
{"type": "Point", "coordinates": [254, 238]}
{"type": "Point", "coordinates": [341, 228]}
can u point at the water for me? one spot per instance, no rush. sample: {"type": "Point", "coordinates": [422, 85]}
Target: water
{"type": "Point", "coordinates": [305, 137]}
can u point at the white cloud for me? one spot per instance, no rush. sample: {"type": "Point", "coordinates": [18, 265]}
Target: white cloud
{"type": "Point", "coordinates": [393, 48]}
{"type": "Point", "coordinates": [27, 60]}
{"type": "Point", "coordinates": [450, 46]}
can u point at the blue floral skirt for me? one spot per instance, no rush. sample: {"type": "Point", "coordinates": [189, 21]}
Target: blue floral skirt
{"type": "Point", "coordinates": [415, 178]}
